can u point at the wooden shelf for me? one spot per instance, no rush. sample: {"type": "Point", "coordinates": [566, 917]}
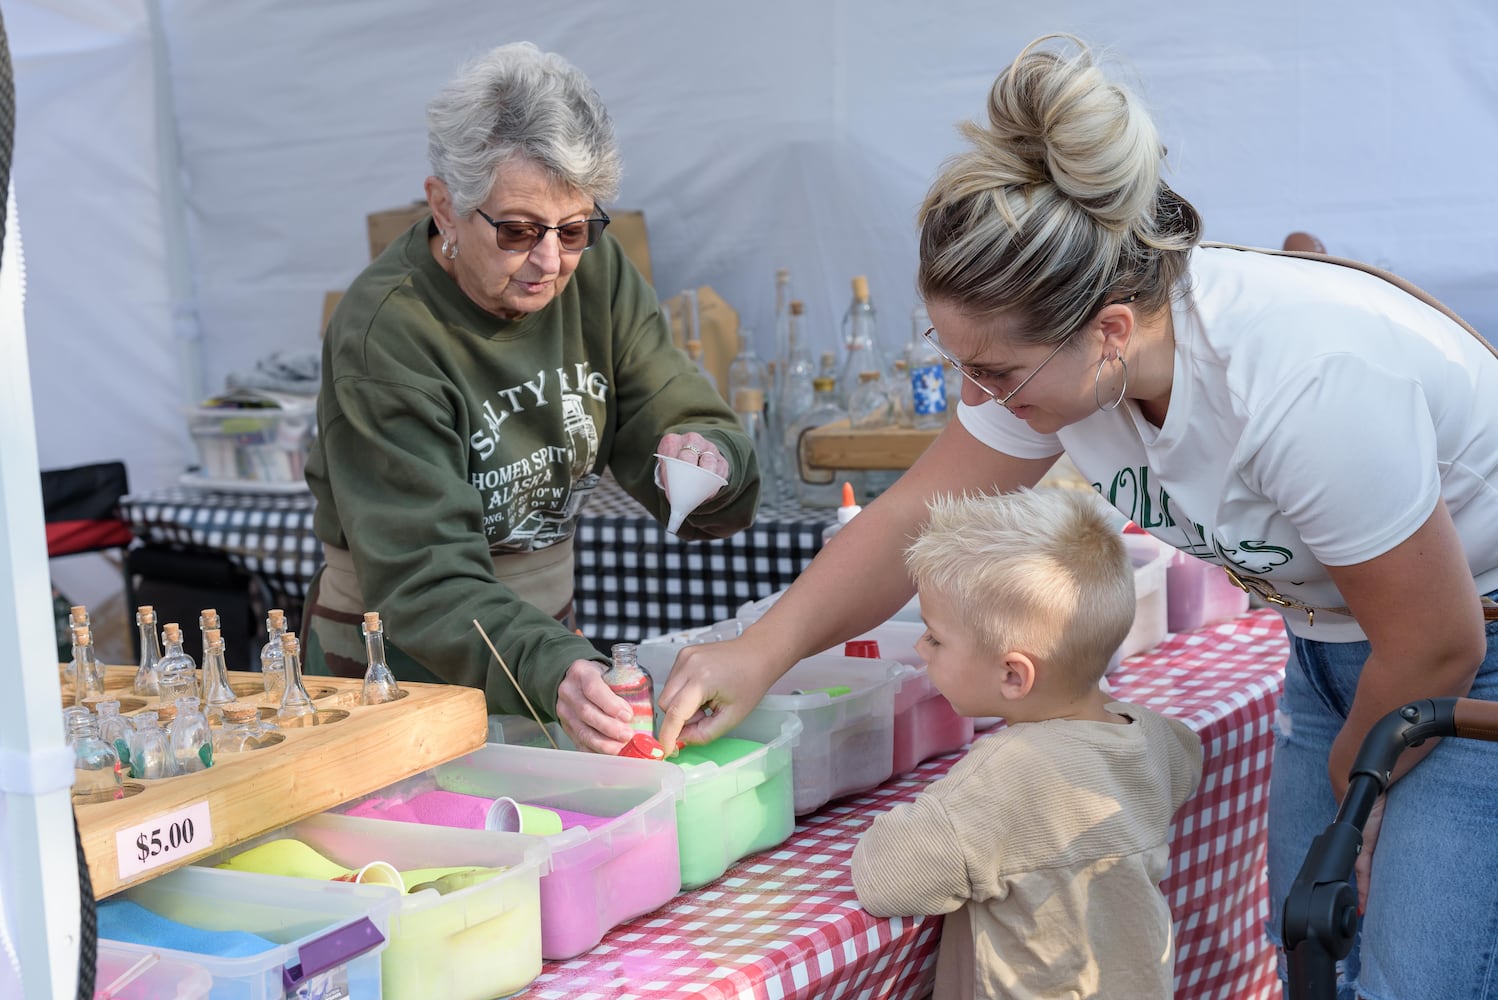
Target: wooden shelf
{"type": "Point", "coordinates": [837, 446]}
{"type": "Point", "coordinates": [312, 770]}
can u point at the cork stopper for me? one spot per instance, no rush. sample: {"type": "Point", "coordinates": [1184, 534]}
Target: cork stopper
{"type": "Point", "coordinates": [823, 383]}
{"type": "Point", "coordinates": [371, 620]}
{"type": "Point", "coordinates": [79, 613]}
{"type": "Point", "coordinates": [210, 618]}
{"type": "Point", "coordinates": [165, 713]}
{"type": "Point", "coordinates": [867, 377]}
{"type": "Point", "coordinates": [797, 307]}
{"type": "Point", "coordinates": [213, 639]}
{"type": "Point", "coordinates": [694, 350]}
{"type": "Point", "coordinates": [171, 632]}
{"type": "Point", "coordinates": [902, 365]}
{"type": "Point", "coordinates": [749, 400]}
{"type": "Point", "coordinates": [861, 288]}
{"type": "Point", "coordinates": [782, 274]}
{"type": "Point", "coordinates": [145, 614]}
{"type": "Point", "coordinates": [235, 712]}
{"type": "Point", "coordinates": [82, 635]}
{"type": "Point", "coordinates": [828, 359]}
{"type": "Point", "coordinates": [288, 642]}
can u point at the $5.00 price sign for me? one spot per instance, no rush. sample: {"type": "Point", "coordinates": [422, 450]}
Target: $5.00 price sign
{"type": "Point", "coordinates": [163, 839]}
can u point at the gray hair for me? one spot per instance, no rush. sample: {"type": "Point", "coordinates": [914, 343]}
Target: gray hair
{"type": "Point", "coordinates": [517, 102]}
{"type": "Point", "coordinates": [1043, 571]}
{"type": "Point", "coordinates": [1058, 207]}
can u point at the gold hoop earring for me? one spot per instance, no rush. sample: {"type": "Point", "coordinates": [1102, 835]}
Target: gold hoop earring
{"type": "Point", "coordinates": [449, 248]}
{"type": "Point", "coordinates": [1097, 377]}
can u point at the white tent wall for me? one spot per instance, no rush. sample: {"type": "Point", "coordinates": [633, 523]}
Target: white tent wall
{"type": "Point", "coordinates": [755, 135]}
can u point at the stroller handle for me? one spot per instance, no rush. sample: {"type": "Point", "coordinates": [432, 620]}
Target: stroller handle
{"type": "Point", "coordinates": [1320, 915]}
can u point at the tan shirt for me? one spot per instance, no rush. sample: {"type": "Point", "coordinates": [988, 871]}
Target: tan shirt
{"type": "Point", "coordinates": [1045, 846]}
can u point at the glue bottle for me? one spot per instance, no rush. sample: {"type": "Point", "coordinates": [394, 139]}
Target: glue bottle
{"type": "Point", "coordinates": [844, 514]}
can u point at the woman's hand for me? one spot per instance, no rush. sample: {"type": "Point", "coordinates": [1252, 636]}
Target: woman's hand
{"type": "Point", "coordinates": [593, 716]}
{"type": "Point", "coordinates": [712, 687]}
{"type": "Point", "coordinates": [694, 448]}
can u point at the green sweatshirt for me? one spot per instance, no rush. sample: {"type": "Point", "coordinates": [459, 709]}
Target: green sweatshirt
{"type": "Point", "coordinates": [446, 434]}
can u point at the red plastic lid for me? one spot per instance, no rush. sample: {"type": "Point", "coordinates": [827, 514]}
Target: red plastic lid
{"type": "Point", "coordinates": [862, 647]}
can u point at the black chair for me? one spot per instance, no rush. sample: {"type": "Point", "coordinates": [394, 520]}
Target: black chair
{"type": "Point", "coordinates": [81, 506]}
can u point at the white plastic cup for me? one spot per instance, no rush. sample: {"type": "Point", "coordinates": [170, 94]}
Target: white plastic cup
{"type": "Point", "coordinates": [508, 816]}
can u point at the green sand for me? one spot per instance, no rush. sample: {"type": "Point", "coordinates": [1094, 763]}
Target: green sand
{"type": "Point", "coordinates": [719, 821]}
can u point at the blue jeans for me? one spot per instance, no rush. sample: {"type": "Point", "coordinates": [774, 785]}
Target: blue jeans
{"type": "Point", "coordinates": [1431, 928]}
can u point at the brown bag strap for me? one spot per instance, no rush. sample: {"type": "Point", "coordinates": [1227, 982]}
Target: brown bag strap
{"type": "Point", "coordinates": [1357, 265]}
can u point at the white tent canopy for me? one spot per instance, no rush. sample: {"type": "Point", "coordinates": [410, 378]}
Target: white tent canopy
{"type": "Point", "coordinates": [194, 175]}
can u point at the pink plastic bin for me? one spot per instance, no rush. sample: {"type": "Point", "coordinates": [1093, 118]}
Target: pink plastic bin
{"type": "Point", "coordinates": [1199, 593]}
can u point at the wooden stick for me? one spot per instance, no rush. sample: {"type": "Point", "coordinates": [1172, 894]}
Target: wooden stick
{"type": "Point", "coordinates": [513, 680]}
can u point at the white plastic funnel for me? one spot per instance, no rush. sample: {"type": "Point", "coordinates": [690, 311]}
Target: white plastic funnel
{"type": "Point", "coordinates": [687, 485]}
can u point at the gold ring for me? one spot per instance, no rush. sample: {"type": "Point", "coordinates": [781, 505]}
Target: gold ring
{"type": "Point", "coordinates": [693, 449]}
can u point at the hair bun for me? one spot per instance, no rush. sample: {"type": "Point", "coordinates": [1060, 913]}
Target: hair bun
{"type": "Point", "coordinates": [1057, 119]}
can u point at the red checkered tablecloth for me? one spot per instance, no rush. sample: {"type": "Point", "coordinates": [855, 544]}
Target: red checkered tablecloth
{"type": "Point", "coordinates": [786, 923]}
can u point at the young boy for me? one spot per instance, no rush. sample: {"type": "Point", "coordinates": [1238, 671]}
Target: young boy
{"type": "Point", "coordinates": [1045, 845]}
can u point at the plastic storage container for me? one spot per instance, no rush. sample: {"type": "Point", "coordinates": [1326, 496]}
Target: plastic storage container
{"type": "Point", "coordinates": [600, 876]}
{"type": "Point", "coordinates": [254, 444]}
{"type": "Point", "coordinates": [926, 724]}
{"type": "Point", "coordinates": [322, 931]}
{"type": "Point", "coordinates": [730, 811]}
{"type": "Point", "coordinates": [165, 978]}
{"type": "Point", "coordinates": [1199, 593]}
{"type": "Point", "coordinates": [1150, 558]}
{"type": "Point", "coordinates": [847, 738]}
{"type": "Point", "coordinates": [474, 943]}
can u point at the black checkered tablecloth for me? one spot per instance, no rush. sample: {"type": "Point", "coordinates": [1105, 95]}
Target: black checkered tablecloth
{"type": "Point", "coordinates": [636, 580]}
{"type": "Point", "coordinates": [633, 579]}
{"type": "Point", "coordinates": [269, 536]}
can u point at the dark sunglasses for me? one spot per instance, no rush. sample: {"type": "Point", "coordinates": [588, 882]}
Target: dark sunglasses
{"type": "Point", "coordinates": [515, 236]}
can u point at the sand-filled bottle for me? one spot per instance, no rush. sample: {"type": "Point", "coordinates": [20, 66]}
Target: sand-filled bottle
{"type": "Point", "coordinates": [626, 678]}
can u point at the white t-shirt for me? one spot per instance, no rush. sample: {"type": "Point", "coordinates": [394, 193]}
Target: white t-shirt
{"type": "Point", "coordinates": [1316, 414]}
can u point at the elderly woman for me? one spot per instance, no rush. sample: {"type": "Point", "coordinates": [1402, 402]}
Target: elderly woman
{"type": "Point", "coordinates": [477, 378]}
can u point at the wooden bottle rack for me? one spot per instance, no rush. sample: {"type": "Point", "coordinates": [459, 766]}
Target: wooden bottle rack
{"type": "Point", "coordinates": [310, 771]}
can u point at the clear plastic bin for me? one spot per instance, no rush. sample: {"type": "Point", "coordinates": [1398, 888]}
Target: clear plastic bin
{"type": "Point", "coordinates": [474, 943]}
{"type": "Point", "coordinates": [328, 935]}
{"type": "Point", "coordinates": [599, 877]}
{"type": "Point", "coordinates": [847, 739]}
{"type": "Point", "coordinates": [731, 811]}
{"type": "Point", "coordinates": [165, 978]}
{"type": "Point", "coordinates": [253, 444]}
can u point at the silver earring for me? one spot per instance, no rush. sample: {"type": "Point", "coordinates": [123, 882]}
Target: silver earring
{"type": "Point", "coordinates": [1097, 378]}
{"type": "Point", "coordinates": [449, 248]}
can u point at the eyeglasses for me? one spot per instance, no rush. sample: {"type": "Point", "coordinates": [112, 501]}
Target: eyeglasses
{"type": "Point", "coordinates": [977, 376]}
{"type": "Point", "coordinates": [515, 236]}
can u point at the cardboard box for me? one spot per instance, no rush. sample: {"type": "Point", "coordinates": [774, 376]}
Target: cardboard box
{"type": "Point", "coordinates": [329, 303]}
{"type": "Point", "coordinates": [385, 225]}
{"type": "Point", "coordinates": [629, 229]}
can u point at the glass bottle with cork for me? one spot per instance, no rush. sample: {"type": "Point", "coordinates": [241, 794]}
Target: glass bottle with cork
{"type": "Point", "coordinates": [272, 660]}
{"type": "Point", "coordinates": [148, 674]}
{"type": "Point", "coordinates": [627, 679]}
{"type": "Point", "coordinates": [296, 704]}
{"type": "Point", "coordinates": [88, 679]}
{"type": "Point", "coordinates": [926, 372]}
{"type": "Point", "coordinates": [379, 682]}
{"type": "Point", "coordinates": [817, 487]}
{"type": "Point", "coordinates": [216, 690]}
{"type": "Point", "coordinates": [177, 671]}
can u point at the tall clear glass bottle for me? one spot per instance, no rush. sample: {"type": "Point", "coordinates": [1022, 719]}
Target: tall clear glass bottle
{"type": "Point", "coordinates": [872, 407]}
{"type": "Point", "coordinates": [177, 671]}
{"type": "Point", "coordinates": [796, 392]}
{"type": "Point", "coordinates": [77, 615]}
{"type": "Point", "coordinates": [860, 339]}
{"type": "Point", "coordinates": [272, 660]}
{"type": "Point", "coordinates": [626, 678]}
{"type": "Point", "coordinates": [749, 405]}
{"type": "Point", "coordinates": [96, 766]}
{"type": "Point", "coordinates": [296, 703]}
{"type": "Point", "coordinates": [147, 675]}
{"type": "Point", "coordinates": [927, 385]}
{"type": "Point", "coordinates": [819, 487]}
{"type": "Point", "coordinates": [379, 682]}
{"type": "Point", "coordinates": [88, 679]}
{"type": "Point", "coordinates": [216, 690]}
{"type": "Point", "coordinates": [150, 747]}
{"type": "Point", "coordinates": [207, 619]}
{"type": "Point", "coordinates": [192, 739]}
{"type": "Point", "coordinates": [114, 729]}
{"type": "Point", "coordinates": [694, 351]}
